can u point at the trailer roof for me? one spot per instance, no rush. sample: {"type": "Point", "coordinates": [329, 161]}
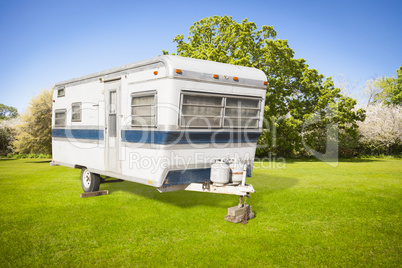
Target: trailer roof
{"type": "Point", "coordinates": [204, 66]}
{"type": "Point", "coordinates": [176, 62]}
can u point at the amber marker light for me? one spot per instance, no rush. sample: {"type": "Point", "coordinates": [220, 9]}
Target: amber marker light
{"type": "Point", "coordinates": [215, 76]}
{"type": "Point", "coordinates": [178, 71]}
{"type": "Point", "coordinates": [235, 78]}
{"type": "Point", "coordinates": [156, 72]}
{"type": "Point", "coordinates": [265, 83]}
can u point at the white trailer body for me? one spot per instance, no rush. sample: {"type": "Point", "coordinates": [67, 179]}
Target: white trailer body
{"type": "Point", "coordinates": [160, 122]}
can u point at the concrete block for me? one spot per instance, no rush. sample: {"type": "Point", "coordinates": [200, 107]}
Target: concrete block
{"type": "Point", "coordinates": [236, 211]}
{"type": "Point", "coordinates": [235, 214]}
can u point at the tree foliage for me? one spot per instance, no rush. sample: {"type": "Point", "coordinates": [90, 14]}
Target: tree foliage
{"type": "Point", "coordinates": [382, 127]}
{"type": "Point", "coordinates": [7, 133]}
{"type": "Point", "coordinates": [7, 112]}
{"type": "Point", "coordinates": [371, 91]}
{"type": "Point", "coordinates": [34, 132]}
{"type": "Point", "coordinates": [396, 97]}
{"type": "Point", "coordinates": [295, 92]}
{"type": "Point", "coordinates": [390, 89]}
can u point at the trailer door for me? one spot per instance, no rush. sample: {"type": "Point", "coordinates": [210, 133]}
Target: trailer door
{"type": "Point", "coordinates": [112, 135]}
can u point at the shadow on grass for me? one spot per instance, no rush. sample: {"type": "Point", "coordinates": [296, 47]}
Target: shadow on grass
{"type": "Point", "coordinates": [184, 199]}
{"type": "Point", "coordinates": [7, 159]}
{"type": "Point", "coordinates": [187, 199]}
{"type": "Point", "coordinates": [271, 184]}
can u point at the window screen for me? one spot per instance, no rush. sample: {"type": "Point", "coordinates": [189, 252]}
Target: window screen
{"type": "Point", "coordinates": [200, 111]}
{"type": "Point", "coordinates": [214, 111]}
{"type": "Point", "coordinates": [143, 110]}
{"type": "Point", "coordinates": [112, 102]}
{"type": "Point", "coordinates": [241, 113]}
{"type": "Point", "coordinates": [76, 112]}
{"type": "Point", "coordinates": [60, 118]}
{"type": "Point", "coordinates": [61, 92]}
{"type": "Point", "coordinates": [112, 123]}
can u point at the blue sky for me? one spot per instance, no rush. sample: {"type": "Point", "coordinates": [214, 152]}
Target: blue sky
{"type": "Point", "coordinates": [44, 42]}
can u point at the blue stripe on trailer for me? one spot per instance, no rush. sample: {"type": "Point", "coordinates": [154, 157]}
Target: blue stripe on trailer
{"type": "Point", "coordinates": [186, 176]}
{"type": "Point", "coordinates": [187, 137]}
{"type": "Point", "coordinates": [179, 177]}
{"type": "Point", "coordinates": [162, 137]}
{"type": "Point", "coordinates": [86, 134]}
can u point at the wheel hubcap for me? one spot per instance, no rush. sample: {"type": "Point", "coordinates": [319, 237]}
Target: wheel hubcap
{"type": "Point", "coordinates": [87, 179]}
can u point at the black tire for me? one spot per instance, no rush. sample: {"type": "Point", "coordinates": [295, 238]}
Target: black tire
{"type": "Point", "coordinates": [90, 182]}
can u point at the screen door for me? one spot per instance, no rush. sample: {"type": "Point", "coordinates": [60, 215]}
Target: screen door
{"type": "Point", "coordinates": [112, 133]}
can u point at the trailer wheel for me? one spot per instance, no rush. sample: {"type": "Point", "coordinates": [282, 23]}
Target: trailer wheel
{"type": "Point", "coordinates": [89, 181]}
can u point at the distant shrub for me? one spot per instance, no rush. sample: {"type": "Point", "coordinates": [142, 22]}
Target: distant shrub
{"type": "Point", "coordinates": [18, 156]}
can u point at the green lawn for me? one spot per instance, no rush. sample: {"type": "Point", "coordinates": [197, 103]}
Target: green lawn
{"type": "Point", "coordinates": [307, 214]}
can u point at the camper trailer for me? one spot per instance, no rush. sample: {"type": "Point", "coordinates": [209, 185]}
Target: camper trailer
{"type": "Point", "coordinates": [170, 122]}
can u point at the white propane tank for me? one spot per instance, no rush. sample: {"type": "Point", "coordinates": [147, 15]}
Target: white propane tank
{"type": "Point", "coordinates": [220, 173]}
{"type": "Point", "coordinates": [237, 171]}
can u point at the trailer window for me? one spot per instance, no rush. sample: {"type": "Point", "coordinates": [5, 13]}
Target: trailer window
{"type": "Point", "coordinates": [143, 110]}
{"type": "Point", "coordinates": [214, 111]}
{"type": "Point", "coordinates": [60, 118]}
{"type": "Point", "coordinates": [61, 92]}
{"type": "Point", "coordinates": [241, 113]}
{"type": "Point", "coordinates": [76, 112]}
{"type": "Point", "coordinates": [200, 111]}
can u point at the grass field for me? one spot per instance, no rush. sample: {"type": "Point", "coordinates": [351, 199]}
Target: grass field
{"type": "Point", "coordinates": [307, 214]}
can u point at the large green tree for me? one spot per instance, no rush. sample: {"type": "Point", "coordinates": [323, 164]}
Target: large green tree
{"type": "Point", "coordinates": [34, 133]}
{"type": "Point", "coordinates": [7, 112]}
{"type": "Point", "coordinates": [7, 133]}
{"type": "Point", "coordinates": [397, 94]}
{"type": "Point", "coordinates": [391, 89]}
{"type": "Point", "coordinates": [7, 120]}
{"type": "Point", "coordinates": [295, 93]}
